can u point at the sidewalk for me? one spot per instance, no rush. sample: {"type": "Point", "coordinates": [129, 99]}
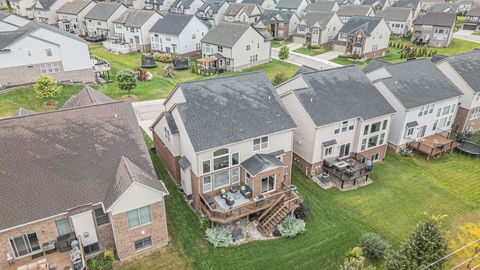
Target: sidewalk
{"type": "Point", "coordinates": [301, 59]}
{"type": "Point", "coordinates": [147, 112]}
{"type": "Point", "coordinates": [466, 35]}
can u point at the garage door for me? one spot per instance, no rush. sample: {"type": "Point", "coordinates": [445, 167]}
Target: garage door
{"type": "Point", "coordinates": [469, 27]}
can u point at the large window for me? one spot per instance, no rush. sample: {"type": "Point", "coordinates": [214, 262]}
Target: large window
{"type": "Point", "coordinates": [221, 159]}
{"type": "Point", "coordinates": [268, 183]}
{"type": "Point", "coordinates": [63, 227]}
{"type": "Point", "coordinates": [25, 244]}
{"type": "Point", "coordinates": [328, 151]}
{"type": "Point", "coordinates": [375, 127]}
{"type": "Point", "coordinates": [384, 124]}
{"type": "Point", "coordinates": [235, 175]}
{"type": "Point", "coordinates": [344, 150]}
{"type": "Point", "coordinates": [138, 217]}
{"type": "Point", "coordinates": [364, 144]}
{"type": "Point", "coordinates": [222, 179]}
{"type": "Point", "coordinates": [206, 166]}
{"type": "Point", "coordinates": [49, 68]}
{"type": "Point", "coordinates": [207, 183]}
{"type": "Point", "coordinates": [372, 141]}
{"type": "Point", "coordinates": [101, 217]}
{"type": "Point", "coordinates": [260, 143]}
{"type": "Point", "coordinates": [143, 243]}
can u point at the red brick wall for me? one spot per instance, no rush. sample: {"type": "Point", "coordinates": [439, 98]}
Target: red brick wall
{"type": "Point", "coordinates": [382, 150]}
{"type": "Point", "coordinates": [170, 161]}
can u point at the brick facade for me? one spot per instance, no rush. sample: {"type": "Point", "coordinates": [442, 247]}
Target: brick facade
{"type": "Point", "coordinates": [381, 150]}
{"type": "Point", "coordinates": [463, 121]}
{"type": "Point", "coordinates": [167, 158]}
{"type": "Point", "coordinates": [125, 237]}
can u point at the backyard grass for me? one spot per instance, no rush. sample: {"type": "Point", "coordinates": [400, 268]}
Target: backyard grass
{"type": "Point", "coordinates": [404, 192]}
{"type": "Point", "coordinates": [310, 52]}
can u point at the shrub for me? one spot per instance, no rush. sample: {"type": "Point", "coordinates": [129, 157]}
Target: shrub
{"type": "Point", "coordinates": [101, 262]}
{"type": "Point", "coordinates": [219, 236]}
{"type": "Point", "coordinates": [356, 264]}
{"type": "Point", "coordinates": [356, 252]}
{"type": "Point", "coordinates": [373, 246]}
{"type": "Point", "coordinates": [126, 80]}
{"type": "Point", "coordinates": [162, 57]}
{"type": "Point", "coordinates": [279, 78]}
{"type": "Point", "coordinates": [302, 212]}
{"type": "Point", "coordinates": [284, 52]}
{"type": "Point", "coordinates": [291, 226]}
{"type": "Point", "coordinates": [46, 87]}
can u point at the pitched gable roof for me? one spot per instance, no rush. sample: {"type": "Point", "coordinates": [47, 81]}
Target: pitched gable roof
{"type": "Point", "coordinates": [304, 70]}
{"type": "Point", "coordinates": [288, 4]}
{"type": "Point", "coordinates": [467, 65]}
{"type": "Point", "coordinates": [235, 8]}
{"type": "Point", "coordinates": [366, 24]}
{"type": "Point", "coordinates": [414, 4]}
{"type": "Point", "coordinates": [74, 7]}
{"type": "Point", "coordinates": [87, 96]}
{"type": "Point", "coordinates": [171, 24]}
{"type": "Point", "coordinates": [317, 19]}
{"type": "Point", "coordinates": [46, 4]}
{"type": "Point", "coordinates": [102, 11]}
{"type": "Point", "coordinates": [225, 34]}
{"type": "Point", "coordinates": [276, 15]}
{"type": "Point", "coordinates": [325, 6]}
{"type": "Point", "coordinates": [135, 17]}
{"type": "Point", "coordinates": [474, 11]}
{"type": "Point", "coordinates": [353, 10]}
{"type": "Point", "coordinates": [395, 14]}
{"type": "Point", "coordinates": [436, 18]}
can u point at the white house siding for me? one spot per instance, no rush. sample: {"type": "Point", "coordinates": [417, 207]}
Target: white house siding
{"type": "Point", "coordinates": [258, 47]}
{"type": "Point", "coordinates": [378, 39]}
{"type": "Point", "coordinates": [328, 34]}
{"type": "Point", "coordinates": [399, 27]}
{"type": "Point", "coordinates": [21, 7]}
{"type": "Point", "coordinates": [136, 196]}
{"type": "Point", "coordinates": [49, 15]}
{"type": "Point", "coordinates": [173, 142]}
{"type": "Point", "coordinates": [78, 18]}
{"type": "Point", "coordinates": [141, 34]}
{"type": "Point", "coordinates": [468, 100]}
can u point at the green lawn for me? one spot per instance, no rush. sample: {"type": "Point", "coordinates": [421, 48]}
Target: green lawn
{"type": "Point", "coordinates": [404, 191]}
{"type": "Point", "coordinates": [277, 44]}
{"type": "Point", "coordinates": [476, 34]}
{"type": "Point", "coordinates": [310, 52]}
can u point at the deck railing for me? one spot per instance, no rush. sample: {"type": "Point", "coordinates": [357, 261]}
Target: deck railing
{"type": "Point", "coordinates": [432, 149]}
{"type": "Point", "coordinates": [345, 175]}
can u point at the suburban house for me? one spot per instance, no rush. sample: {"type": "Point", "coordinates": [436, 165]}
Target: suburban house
{"type": "Point", "coordinates": [462, 69]}
{"type": "Point", "coordinates": [241, 165]}
{"type": "Point", "coordinates": [22, 7]}
{"type": "Point", "coordinates": [377, 5]}
{"type": "Point", "coordinates": [340, 116]}
{"type": "Point", "coordinates": [235, 46]}
{"type": "Point", "coordinates": [131, 31]}
{"type": "Point", "coordinates": [364, 37]}
{"type": "Point", "coordinates": [265, 4]}
{"type": "Point", "coordinates": [29, 49]}
{"type": "Point", "coordinates": [426, 102]}
{"type": "Point", "coordinates": [399, 19]}
{"type": "Point", "coordinates": [348, 2]}
{"type": "Point", "coordinates": [178, 33]}
{"type": "Point", "coordinates": [71, 16]}
{"type": "Point", "coordinates": [415, 5]}
{"type": "Point", "coordinates": [243, 12]}
{"type": "Point", "coordinates": [464, 6]}
{"type": "Point", "coordinates": [444, 7]}
{"type": "Point", "coordinates": [348, 11]}
{"type": "Point", "coordinates": [322, 6]}
{"type": "Point", "coordinates": [158, 5]}
{"type": "Point", "coordinates": [318, 29]}
{"type": "Point", "coordinates": [86, 194]}
{"type": "Point", "coordinates": [434, 29]}
{"type": "Point", "coordinates": [281, 24]}
{"type": "Point", "coordinates": [45, 11]}
{"type": "Point", "coordinates": [213, 11]}
{"type": "Point", "coordinates": [189, 7]}
{"type": "Point", "coordinates": [297, 6]}
{"type": "Point", "coordinates": [86, 97]}
{"type": "Point", "coordinates": [134, 4]}
{"type": "Point", "coordinates": [471, 21]}
{"type": "Point", "coordinates": [99, 20]}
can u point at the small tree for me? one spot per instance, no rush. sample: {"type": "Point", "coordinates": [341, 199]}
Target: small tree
{"type": "Point", "coordinates": [356, 264]}
{"type": "Point", "coordinates": [279, 78]}
{"type": "Point", "coordinates": [291, 226]}
{"type": "Point", "coordinates": [373, 246]}
{"type": "Point", "coordinates": [467, 234]}
{"type": "Point", "coordinates": [284, 52]}
{"type": "Point", "coordinates": [47, 88]}
{"type": "Point", "coordinates": [126, 81]}
{"type": "Point", "coordinates": [219, 236]}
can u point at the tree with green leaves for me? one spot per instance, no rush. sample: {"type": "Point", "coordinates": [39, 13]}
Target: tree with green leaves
{"type": "Point", "coordinates": [126, 81]}
{"type": "Point", "coordinates": [284, 52]}
{"type": "Point", "coordinates": [279, 78]}
{"type": "Point", "coordinates": [47, 88]}
{"type": "Point", "coordinates": [356, 264]}
{"type": "Point", "coordinates": [425, 245]}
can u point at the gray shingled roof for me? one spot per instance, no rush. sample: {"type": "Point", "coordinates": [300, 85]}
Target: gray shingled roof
{"type": "Point", "coordinates": [87, 96]}
{"type": "Point", "coordinates": [231, 109]}
{"type": "Point", "coordinates": [395, 13]}
{"type": "Point", "coordinates": [374, 64]}
{"type": "Point", "coordinates": [4, 14]}
{"type": "Point", "coordinates": [353, 10]}
{"type": "Point", "coordinates": [437, 57]}
{"type": "Point", "coordinates": [281, 15]}
{"type": "Point", "coordinates": [436, 18]}
{"type": "Point", "coordinates": [260, 162]}
{"type": "Point", "coordinates": [22, 112]}
{"type": "Point", "coordinates": [406, 3]}
{"type": "Point", "coordinates": [474, 11]}
{"type": "Point", "coordinates": [444, 6]}
{"type": "Point", "coordinates": [234, 8]}
{"type": "Point", "coordinates": [371, 2]}
{"type": "Point", "coordinates": [185, 3]}
{"type": "Point", "coordinates": [46, 4]}
{"type": "Point", "coordinates": [288, 4]}
{"type": "Point", "coordinates": [135, 17]}
{"type": "Point", "coordinates": [67, 158]}
{"type": "Point", "coordinates": [364, 23]}
{"type": "Point", "coordinates": [74, 7]}
{"type": "Point", "coordinates": [467, 65]}
{"type": "Point", "coordinates": [258, 2]}
{"type": "Point", "coordinates": [325, 6]}
{"type": "Point", "coordinates": [172, 125]}
{"type": "Point", "coordinates": [419, 82]}
{"type": "Point", "coordinates": [319, 18]}
{"type": "Point", "coordinates": [214, 5]}
{"type": "Point", "coordinates": [102, 11]}
{"type": "Point", "coordinates": [184, 163]}
{"type": "Point", "coordinates": [304, 70]}
{"type": "Point", "coordinates": [225, 34]}
{"type": "Point", "coordinates": [8, 38]}
{"type": "Point", "coordinates": [171, 24]}
{"type": "Point", "coordinates": [339, 94]}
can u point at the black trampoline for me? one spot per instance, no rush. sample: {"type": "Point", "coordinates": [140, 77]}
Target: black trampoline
{"type": "Point", "coordinates": [469, 148]}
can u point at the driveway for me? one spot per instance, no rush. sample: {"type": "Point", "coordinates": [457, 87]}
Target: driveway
{"type": "Point", "coordinates": [466, 35]}
{"type": "Point", "coordinates": [147, 112]}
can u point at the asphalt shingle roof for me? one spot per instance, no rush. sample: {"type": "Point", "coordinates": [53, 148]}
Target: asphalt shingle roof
{"type": "Point", "coordinates": [231, 109]}
{"type": "Point", "coordinates": [374, 64]}
{"type": "Point", "coordinates": [260, 162]}
{"type": "Point", "coordinates": [74, 7]}
{"type": "Point", "coordinates": [436, 18]}
{"type": "Point", "coordinates": [171, 24]}
{"type": "Point", "coordinates": [353, 10]}
{"type": "Point", "coordinates": [135, 17]}
{"type": "Point", "coordinates": [225, 34]}
{"type": "Point", "coordinates": [281, 15]}
{"type": "Point", "coordinates": [320, 19]}
{"type": "Point", "coordinates": [474, 11]}
{"type": "Point", "coordinates": [444, 6]}
{"type": "Point", "coordinates": [172, 125]}
{"type": "Point", "coordinates": [467, 65]}
{"type": "Point", "coordinates": [87, 96]}
{"type": "Point", "coordinates": [102, 11]}
{"type": "Point", "coordinates": [304, 70]}
{"type": "Point", "coordinates": [325, 6]}
{"type": "Point", "coordinates": [288, 4]}
{"type": "Point", "coordinates": [395, 14]}
{"type": "Point", "coordinates": [365, 23]}
{"type": "Point", "coordinates": [414, 4]}
{"type": "Point", "coordinates": [339, 94]}
{"type": "Point", "coordinates": [46, 4]}
{"type": "Point", "coordinates": [234, 8]}
{"type": "Point", "coordinates": [258, 2]}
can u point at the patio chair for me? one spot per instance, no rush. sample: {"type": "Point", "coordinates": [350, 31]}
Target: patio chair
{"type": "Point", "coordinates": [246, 191]}
{"type": "Point", "coordinates": [223, 193]}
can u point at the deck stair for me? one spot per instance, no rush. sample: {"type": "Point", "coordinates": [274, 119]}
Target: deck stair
{"type": "Point", "coordinates": [272, 216]}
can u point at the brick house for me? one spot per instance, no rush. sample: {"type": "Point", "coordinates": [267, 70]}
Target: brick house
{"type": "Point", "coordinates": [280, 23]}
{"type": "Point", "coordinates": [318, 29]}
{"type": "Point", "coordinates": [340, 117]}
{"type": "Point", "coordinates": [227, 142]}
{"type": "Point", "coordinates": [434, 29]}
{"type": "Point", "coordinates": [81, 186]}
{"type": "Point", "coordinates": [472, 19]}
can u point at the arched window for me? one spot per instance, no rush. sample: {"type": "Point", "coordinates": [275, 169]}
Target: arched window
{"type": "Point", "coordinates": [221, 159]}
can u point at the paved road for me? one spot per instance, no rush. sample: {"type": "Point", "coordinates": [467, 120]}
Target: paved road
{"type": "Point", "coordinates": [300, 59]}
{"type": "Point", "coordinates": [147, 112]}
{"type": "Point", "coordinates": [466, 35]}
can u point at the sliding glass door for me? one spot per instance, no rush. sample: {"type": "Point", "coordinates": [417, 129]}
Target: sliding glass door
{"type": "Point", "coordinates": [25, 244]}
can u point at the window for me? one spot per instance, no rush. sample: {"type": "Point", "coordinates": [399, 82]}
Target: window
{"type": "Point", "coordinates": [260, 143]}
{"type": "Point", "coordinates": [143, 243]}
{"type": "Point", "coordinates": [410, 131]}
{"type": "Point", "coordinates": [445, 110]}
{"type": "Point", "coordinates": [382, 139]}
{"type": "Point", "coordinates": [375, 127]}
{"type": "Point", "coordinates": [435, 125]}
{"type": "Point", "coordinates": [167, 134]}
{"type": "Point", "coordinates": [206, 166]}
{"type": "Point", "coordinates": [235, 158]}
{"type": "Point", "coordinates": [372, 141]}
{"type": "Point", "coordinates": [452, 109]}
{"type": "Point", "coordinates": [221, 159]}
{"type": "Point", "coordinates": [268, 183]}
{"type": "Point", "coordinates": [194, 36]}
{"type": "Point", "coordinates": [101, 217]}
{"type": "Point", "coordinates": [344, 150]}
{"type": "Point", "coordinates": [49, 68]}
{"type": "Point", "coordinates": [328, 151]}
{"type": "Point", "coordinates": [63, 227]}
{"type": "Point", "coordinates": [364, 144]}
{"type": "Point", "coordinates": [235, 175]}
{"type": "Point", "coordinates": [247, 179]}
{"type": "Point", "coordinates": [365, 130]}
{"type": "Point", "coordinates": [247, 48]}
{"type": "Point", "coordinates": [167, 39]}
{"type": "Point", "coordinates": [449, 121]}
{"type": "Point", "coordinates": [138, 217]}
{"type": "Point", "coordinates": [220, 49]}
{"type": "Point", "coordinates": [25, 244]}
{"type": "Point", "coordinates": [91, 248]}
{"type": "Point", "coordinates": [384, 124]}
{"type": "Point", "coordinates": [344, 126]}
{"type": "Point", "coordinates": [315, 31]}
{"type": "Point", "coordinates": [222, 179]}
{"type": "Point", "coordinates": [48, 52]}
{"type": "Point", "coordinates": [475, 114]}
{"type": "Point", "coordinates": [375, 157]}
{"type": "Point", "coordinates": [207, 184]}
{"type": "Point", "coordinates": [358, 39]}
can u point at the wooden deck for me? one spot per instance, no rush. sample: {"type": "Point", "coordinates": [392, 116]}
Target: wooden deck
{"type": "Point", "coordinates": [62, 259]}
{"type": "Point", "coordinates": [434, 145]}
{"type": "Point", "coordinates": [351, 173]}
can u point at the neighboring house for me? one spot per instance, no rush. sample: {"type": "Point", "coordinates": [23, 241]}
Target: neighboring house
{"type": "Point", "coordinates": [189, 7]}
{"type": "Point", "coordinates": [434, 29]}
{"type": "Point", "coordinates": [281, 24]}
{"type": "Point", "coordinates": [347, 12]}
{"type": "Point", "coordinates": [377, 5]}
{"type": "Point", "coordinates": [22, 7]}
{"type": "Point", "coordinates": [471, 21]}
{"type": "Point", "coordinates": [318, 29]}
{"type": "Point", "coordinates": [103, 196]}
{"type": "Point", "coordinates": [415, 5]}
{"type": "Point", "coordinates": [158, 5]}
{"type": "Point", "coordinates": [236, 46]}
{"type": "Point", "coordinates": [243, 12]}
{"type": "Point", "coordinates": [340, 116]}
{"type": "Point", "coordinates": [178, 33]}
{"type": "Point", "coordinates": [71, 16]}
{"type": "Point", "coordinates": [135, 4]}
{"type": "Point", "coordinates": [348, 2]}
{"type": "Point", "coordinates": [86, 97]}
{"type": "Point", "coordinates": [246, 151]}
{"type": "Point", "coordinates": [426, 103]}
{"type": "Point", "coordinates": [322, 6]}
{"type": "Point", "coordinates": [464, 6]}
{"type": "Point", "coordinates": [265, 4]}
{"type": "Point", "coordinates": [29, 49]}
{"type": "Point", "coordinates": [298, 6]}
{"type": "Point", "coordinates": [444, 7]}
{"type": "Point", "coordinates": [45, 11]}
{"type": "Point", "coordinates": [462, 70]}
{"type": "Point", "coordinates": [399, 19]}
{"type": "Point", "coordinates": [364, 37]}
{"type": "Point", "coordinates": [213, 11]}
{"type": "Point", "coordinates": [99, 20]}
{"type": "Point", "coordinates": [131, 31]}
{"type": "Point", "coordinates": [428, 4]}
